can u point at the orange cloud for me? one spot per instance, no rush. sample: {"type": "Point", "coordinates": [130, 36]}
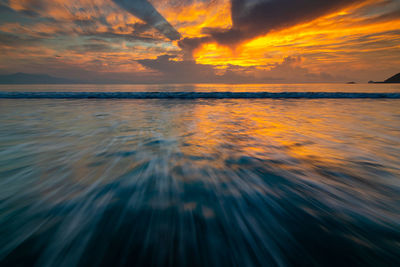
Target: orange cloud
{"type": "Point", "coordinates": [345, 36]}
{"type": "Point", "coordinates": [98, 35]}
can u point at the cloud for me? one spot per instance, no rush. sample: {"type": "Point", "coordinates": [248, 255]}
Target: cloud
{"type": "Point", "coordinates": [95, 47]}
{"type": "Point", "coordinates": [357, 38]}
{"type": "Point", "coordinates": [146, 12]}
{"type": "Point", "coordinates": [137, 18]}
{"type": "Point", "coordinates": [178, 71]}
{"type": "Point", "coordinates": [253, 18]}
{"type": "Point", "coordinates": [391, 15]}
{"type": "Point", "coordinates": [13, 40]}
{"type": "Point", "coordinates": [171, 70]}
{"type": "Point", "coordinates": [289, 70]}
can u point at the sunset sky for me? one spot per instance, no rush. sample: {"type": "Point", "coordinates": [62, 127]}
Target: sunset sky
{"type": "Point", "coordinates": [277, 41]}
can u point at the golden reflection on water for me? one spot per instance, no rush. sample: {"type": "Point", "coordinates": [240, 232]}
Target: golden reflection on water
{"type": "Point", "coordinates": [331, 131]}
{"type": "Point", "coordinates": [244, 177]}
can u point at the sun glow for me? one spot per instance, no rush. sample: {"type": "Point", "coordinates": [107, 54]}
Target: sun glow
{"type": "Point", "coordinates": [335, 36]}
{"type": "Point", "coordinates": [99, 35]}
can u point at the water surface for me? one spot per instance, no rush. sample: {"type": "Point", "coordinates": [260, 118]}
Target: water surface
{"type": "Point", "coordinates": [244, 182]}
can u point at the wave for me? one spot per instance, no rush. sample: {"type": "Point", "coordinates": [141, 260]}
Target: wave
{"type": "Point", "coordinates": [192, 95]}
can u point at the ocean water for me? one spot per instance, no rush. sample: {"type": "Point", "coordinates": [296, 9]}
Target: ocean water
{"type": "Point", "coordinates": [200, 182]}
{"type": "Point", "coordinates": [309, 87]}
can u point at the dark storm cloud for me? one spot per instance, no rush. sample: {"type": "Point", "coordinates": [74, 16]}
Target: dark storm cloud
{"type": "Point", "coordinates": [189, 44]}
{"type": "Point", "coordinates": [146, 12]}
{"type": "Point", "coordinates": [178, 71]}
{"type": "Point", "coordinates": [188, 71]}
{"type": "Point", "coordinates": [252, 18]}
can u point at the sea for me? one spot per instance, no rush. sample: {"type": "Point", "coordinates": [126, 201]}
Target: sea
{"type": "Point", "coordinates": [200, 175]}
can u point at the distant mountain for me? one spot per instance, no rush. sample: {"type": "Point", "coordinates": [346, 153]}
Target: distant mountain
{"type": "Point", "coordinates": [393, 79]}
{"type": "Point", "coordinates": [25, 78]}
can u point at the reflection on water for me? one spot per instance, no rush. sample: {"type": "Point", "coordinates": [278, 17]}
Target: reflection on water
{"type": "Point", "coordinates": [199, 182]}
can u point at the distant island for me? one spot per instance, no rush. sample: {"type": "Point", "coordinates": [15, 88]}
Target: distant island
{"type": "Point", "coordinates": [393, 79]}
{"type": "Point", "coordinates": [25, 78]}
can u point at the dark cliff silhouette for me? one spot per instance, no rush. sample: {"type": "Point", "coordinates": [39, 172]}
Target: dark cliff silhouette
{"type": "Point", "coordinates": [393, 79]}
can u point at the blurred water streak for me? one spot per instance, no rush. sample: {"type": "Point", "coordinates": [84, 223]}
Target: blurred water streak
{"type": "Point", "coordinates": [199, 182]}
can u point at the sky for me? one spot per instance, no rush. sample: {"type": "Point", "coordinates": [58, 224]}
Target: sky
{"type": "Point", "coordinates": [196, 41]}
